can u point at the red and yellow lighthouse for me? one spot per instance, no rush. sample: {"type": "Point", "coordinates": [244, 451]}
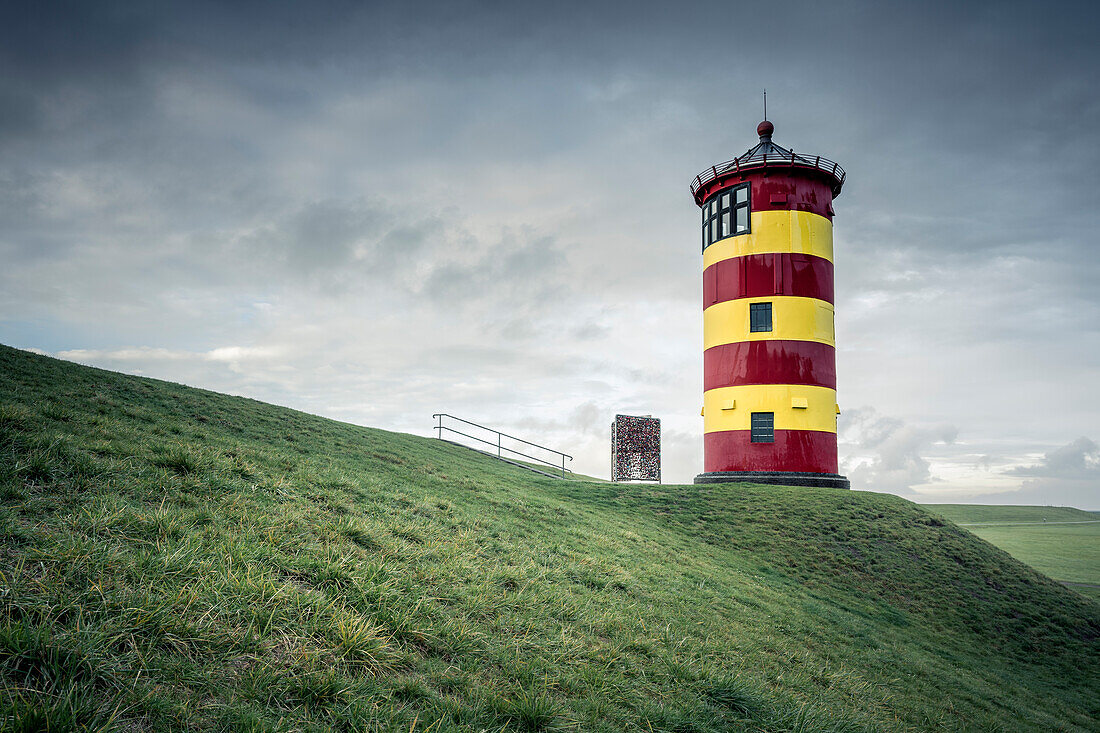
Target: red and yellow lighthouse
{"type": "Point", "coordinates": [769, 359]}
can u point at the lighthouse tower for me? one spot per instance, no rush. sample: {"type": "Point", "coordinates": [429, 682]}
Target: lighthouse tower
{"type": "Point", "coordinates": [769, 359]}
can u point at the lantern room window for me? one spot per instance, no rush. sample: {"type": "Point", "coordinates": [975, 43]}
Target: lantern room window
{"type": "Point", "coordinates": [726, 214]}
{"type": "Point", "coordinates": [763, 427]}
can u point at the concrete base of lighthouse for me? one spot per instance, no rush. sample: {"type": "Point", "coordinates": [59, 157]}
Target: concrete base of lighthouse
{"type": "Point", "coordinates": [776, 478]}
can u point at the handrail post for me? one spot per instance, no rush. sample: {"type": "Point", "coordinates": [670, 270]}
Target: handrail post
{"type": "Point", "coordinates": [498, 444]}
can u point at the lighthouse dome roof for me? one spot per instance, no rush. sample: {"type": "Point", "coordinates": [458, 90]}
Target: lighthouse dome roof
{"type": "Point", "coordinates": [767, 154]}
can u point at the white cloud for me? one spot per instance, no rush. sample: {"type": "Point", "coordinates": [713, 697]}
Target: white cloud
{"type": "Point", "coordinates": [884, 453]}
{"type": "Point", "coordinates": [1079, 460]}
{"type": "Point", "coordinates": [228, 354]}
{"type": "Point", "coordinates": [1066, 475]}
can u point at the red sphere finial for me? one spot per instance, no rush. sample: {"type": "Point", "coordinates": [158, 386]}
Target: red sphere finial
{"type": "Point", "coordinates": [765, 129]}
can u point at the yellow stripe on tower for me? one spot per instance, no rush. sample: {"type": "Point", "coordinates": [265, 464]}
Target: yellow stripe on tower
{"type": "Point", "coordinates": [800, 232]}
{"type": "Point", "coordinates": [793, 319]}
{"type": "Point", "coordinates": [731, 408]}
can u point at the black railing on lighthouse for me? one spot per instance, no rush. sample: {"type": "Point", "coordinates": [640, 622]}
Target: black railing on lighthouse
{"type": "Point", "coordinates": [785, 158]}
{"type": "Point", "coordinates": [499, 444]}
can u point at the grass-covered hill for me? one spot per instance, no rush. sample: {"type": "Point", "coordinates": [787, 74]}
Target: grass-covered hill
{"type": "Point", "coordinates": [1061, 542]}
{"type": "Point", "coordinates": [177, 559]}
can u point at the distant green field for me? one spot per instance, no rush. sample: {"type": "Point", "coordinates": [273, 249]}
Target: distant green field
{"type": "Point", "coordinates": [1065, 552]}
{"type": "Point", "coordinates": [979, 513]}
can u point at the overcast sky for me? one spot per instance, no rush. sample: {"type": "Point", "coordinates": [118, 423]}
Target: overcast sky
{"type": "Point", "coordinates": [376, 212]}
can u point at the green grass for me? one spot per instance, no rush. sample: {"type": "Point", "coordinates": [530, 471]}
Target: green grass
{"type": "Point", "coordinates": [1042, 537]}
{"type": "Point", "coordinates": [542, 467]}
{"type": "Point", "coordinates": [172, 558]}
{"type": "Point", "coordinates": [968, 514]}
{"type": "Point", "coordinates": [1062, 551]}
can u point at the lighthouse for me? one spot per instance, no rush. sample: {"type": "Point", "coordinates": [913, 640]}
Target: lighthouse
{"type": "Point", "coordinates": [769, 347]}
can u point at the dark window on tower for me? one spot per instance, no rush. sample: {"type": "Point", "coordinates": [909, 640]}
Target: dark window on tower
{"type": "Point", "coordinates": [760, 317]}
{"type": "Point", "coordinates": [726, 214]}
{"type": "Point", "coordinates": [763, 427]}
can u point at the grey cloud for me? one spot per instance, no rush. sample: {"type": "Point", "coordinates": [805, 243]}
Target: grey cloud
{"type": "Point", "coordinates": [893, 448]}
{"type": "Point", "coordinates": [869, 429]}
{"type": "Point", "coordinates": [523, 273]}
{"type": "Point", "coordinates": [1067, 475]}
{"type": "Point", "coordinates": [590, 418]}
{"type": "Point", "coordinates": [590, 331]}
{"type": "Point", "coordinates": [1078, 459]}
{"type": "Point", "coordinates": [327, 237]}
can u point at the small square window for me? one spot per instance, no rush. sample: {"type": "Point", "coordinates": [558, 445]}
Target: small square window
{"type": "Point", "coordinates": [742, 194]}
{"type": "Point", "coordinates": [725, 201]}
{"type": "Point", "coordinates": [763, 427]}
{"type": "Point", "coordinates": [725, 223]}
{"type": "Point", "coordinates": [760, 317]}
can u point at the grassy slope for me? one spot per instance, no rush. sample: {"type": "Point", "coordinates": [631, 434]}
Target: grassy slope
{"type": "Point", "coordinates": [1069, 552]}
{"type": "Point", "coordinates": [173, 557]}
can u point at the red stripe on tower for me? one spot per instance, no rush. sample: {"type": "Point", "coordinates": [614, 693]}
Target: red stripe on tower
{"type": "Point", "coordinates": [799, 451]}
{"type": "Point", "coordinates": [769, 362]}
{"type": "Point", "coordinates": [776, 273]}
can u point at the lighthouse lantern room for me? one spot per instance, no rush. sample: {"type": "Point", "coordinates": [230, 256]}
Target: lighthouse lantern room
{"type": "Point", "coordinates": [769, 350]}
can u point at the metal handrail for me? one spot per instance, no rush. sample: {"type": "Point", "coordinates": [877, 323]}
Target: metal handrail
{"type": "Point", "coordinates": [739, 165]}
{"type": "Point", "coordinates": [499, 446]}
